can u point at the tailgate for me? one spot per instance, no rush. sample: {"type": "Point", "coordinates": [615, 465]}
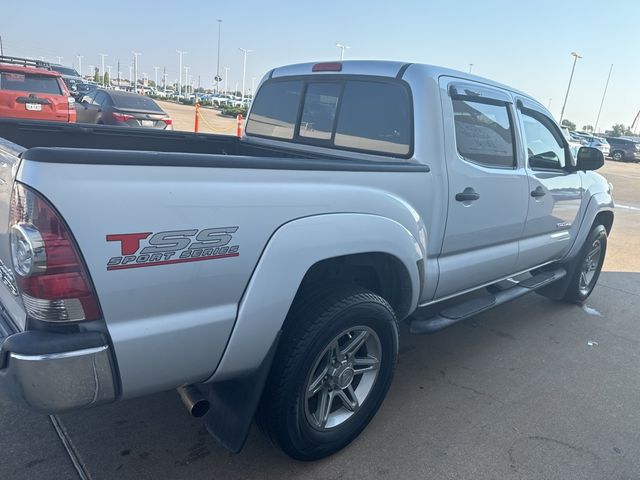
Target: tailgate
{"type": "Point", "coordinates": [30, 96]}
{"type": "Point", "coordinates": [9, 297]}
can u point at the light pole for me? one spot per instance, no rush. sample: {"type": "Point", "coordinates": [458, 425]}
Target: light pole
{"type": "Point", "coordinates": [342, 49]}
{"type": "Point", "coordinates": [226, 79]}
{"type": "Point", "coordinates": [186, 79]}
{"type": "Point", "coordinates": [595, 127]}
{"type": "Point", "coordinates": [156, 77]}
{"type": "Point", "coordinates": [244, 67]}
{"type": "Point", "coordinates": [135, 70]}
{"type": "Point", "coordinates": [180, 53]}
{"type": "Point", "coordinates": [103, 55]}
{"type": "Point", "coordinates": [108, 70]}
{"type": "Point", "coordinates": [575, 60]}
{"type": "Point", "coordinates": [59, 59]}
{"type": "Point", "coordinates": [218, 63]}
{"type": "Point", "coordinates": [80, 57]}
{"type": "Point", "coordinates": [470, 67]}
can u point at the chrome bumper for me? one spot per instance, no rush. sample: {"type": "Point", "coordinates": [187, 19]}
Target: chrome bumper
{"type": "Point", "coordinates": [57, 372]}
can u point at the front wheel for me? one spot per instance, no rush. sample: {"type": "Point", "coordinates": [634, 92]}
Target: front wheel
{"type": "Point", "coordinates": [588, 266]}
{"type": "Point", "coordinates": [618, 156]}
{"type": "Point", "coordinates": [332, 371]}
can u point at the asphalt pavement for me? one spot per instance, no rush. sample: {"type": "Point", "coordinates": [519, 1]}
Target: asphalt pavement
{"type": "Point", "coordinates": [534, 389]}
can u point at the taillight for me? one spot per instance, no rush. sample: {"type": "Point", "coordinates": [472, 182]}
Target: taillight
{"type": "Point", "coordinates": [52, 278]}
{"type": "Point", "coordinates": [121, 117]}
{"type": "Point", "coordinates": [167, 121]}
{"type": "Point", "coordinates": [327, 67]}
{"type": "Point", "coordinates": [72, 102]}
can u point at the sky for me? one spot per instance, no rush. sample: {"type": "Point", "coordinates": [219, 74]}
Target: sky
{"type": "Point", "coordinates": [525, 44]}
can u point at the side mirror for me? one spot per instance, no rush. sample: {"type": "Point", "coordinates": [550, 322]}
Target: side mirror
{"type": "Point", "coordinates": [589, 158]}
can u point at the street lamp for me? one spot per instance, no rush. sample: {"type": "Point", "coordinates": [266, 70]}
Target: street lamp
{"type": "Point", "coordinates": [80, 57]}
{"type": "Point", "coordinates": [342, 49]}
{"type": "Point", "coordinates": [155, 77]}
{"type": "Point", "coordinates": [186, 79]}
{"type": "Point", "coordinates": [180, 52]}
{"type": "Point", "coordinates": [218, 63]}
{"type": "Point", "coordinates": [575, 60]}
{"type": "Point", "coordinates": [595, 127]}
{"type": "Point", "coordinates": [102, 55]}
{"type": "Point", "coordinates": [244, 67]}
{"type": "Point", "coordinates": [135, 70]}
{"type": "Point", "coordinates": [226, 79]}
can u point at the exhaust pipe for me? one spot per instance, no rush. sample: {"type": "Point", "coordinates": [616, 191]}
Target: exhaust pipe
{"type": "Point", "coordinates": [196, 404]}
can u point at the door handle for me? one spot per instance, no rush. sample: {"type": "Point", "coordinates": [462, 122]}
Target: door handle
{"type": "Point", "coordinates": [538, 192]}
{"type": "Point", "coordinates": [468, 195]}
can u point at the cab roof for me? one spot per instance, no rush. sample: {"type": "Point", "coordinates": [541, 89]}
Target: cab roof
{"type": "Point", "coordinates": [8, 67]}
{"type": "Point", "coordinates": [385, 68]}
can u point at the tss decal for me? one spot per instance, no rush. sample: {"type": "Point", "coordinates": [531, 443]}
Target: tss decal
{"type": "Point", "coordinates": [173, 246]}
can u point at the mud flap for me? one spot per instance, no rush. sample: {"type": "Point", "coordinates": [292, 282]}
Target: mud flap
{"type": "Point", "coordinates": [234, 403]}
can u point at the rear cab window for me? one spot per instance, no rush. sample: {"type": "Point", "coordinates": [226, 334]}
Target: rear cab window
{"type": "Point", "coordinates": [368, 115]}
{"type": "Point", "coordinates": [134, 102]}
{"type": "Point", "coordinates": [29, 82]}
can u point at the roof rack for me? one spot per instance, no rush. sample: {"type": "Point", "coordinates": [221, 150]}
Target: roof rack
{"type": "Point", "coordinates": [25, 62]}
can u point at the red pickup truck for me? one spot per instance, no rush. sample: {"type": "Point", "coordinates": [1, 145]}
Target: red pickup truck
{"type": "Point", "coordinates": [30, 90]}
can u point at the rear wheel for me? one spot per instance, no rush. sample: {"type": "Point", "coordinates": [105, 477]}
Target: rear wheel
{"type": "Point", "coordinates": [588, 266]}
{"type": "Point", "coordinates": [618, 155]}
{"type": "Point", "coordinates": [332, 371]}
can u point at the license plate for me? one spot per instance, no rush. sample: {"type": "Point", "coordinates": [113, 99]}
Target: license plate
{"type": "Point", "coordinates": [147, 123]}
{"type": "Point", "coordinates": [33, 107]}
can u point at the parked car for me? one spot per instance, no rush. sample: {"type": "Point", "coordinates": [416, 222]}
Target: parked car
{"type": "Point", "coordinates": [113, 107]}
{"type": "Point", "coordinates": [30, 90]}
{"type": "Point", "coordinates": [83, 89]}
{"type": "Point", "coordinates": [266, 276]}
{"type": "Point", "coordinates": [623, 149]}
{"type": "Point", "coordinates": [70, 77]}
{"type": "Point", "coordinates": [600, 143]}
{"type": "Point", "coordinates": [574, 145]}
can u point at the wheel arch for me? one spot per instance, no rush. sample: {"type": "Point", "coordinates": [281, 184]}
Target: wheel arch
{"type": "Point", "coordinates": [366, 250]}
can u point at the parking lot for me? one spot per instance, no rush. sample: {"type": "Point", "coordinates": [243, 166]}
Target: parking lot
{"type": "Point", "coordinates": [211, 121]}
{"type": "Point", "coordinates": [534, 389]}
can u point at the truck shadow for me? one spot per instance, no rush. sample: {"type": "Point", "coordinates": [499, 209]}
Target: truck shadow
{"type": "Point", "coordinates": [469, 395]}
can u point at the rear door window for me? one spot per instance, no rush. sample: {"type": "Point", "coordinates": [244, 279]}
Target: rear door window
{"type": "Point", "coordinates": [484, 133]}
{"type": "Point", "coordinates": [100, 98]}
{"type": "Point", "coordinates": [27, 82]}
{"type": "Point", "coordinates": [275, 110]}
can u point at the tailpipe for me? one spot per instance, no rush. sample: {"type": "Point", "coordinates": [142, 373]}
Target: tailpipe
{"type": "Point", "coordinates": [196, 404]}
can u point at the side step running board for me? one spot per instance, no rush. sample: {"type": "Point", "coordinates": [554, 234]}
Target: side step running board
{"type": "Point", "coordinates": [462, 311]}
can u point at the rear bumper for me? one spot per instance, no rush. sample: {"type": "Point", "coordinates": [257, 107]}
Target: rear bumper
{"type": "Point", "coordinates": [56, 372]}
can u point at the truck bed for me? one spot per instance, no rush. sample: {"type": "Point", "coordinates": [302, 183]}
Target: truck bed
{"type": "Point", "coordinates": [30, 134]}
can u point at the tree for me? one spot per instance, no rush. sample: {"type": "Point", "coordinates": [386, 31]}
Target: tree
{"type": "Point", "coordinates": [96, 76]}
{"type": "Point", "coordinates": [587, 128]}
{"type": "Point", "coordinates": [569, 124]}
{"type": "Point", "coordinates": [619, 129]}
{"type": "Point", "coordinates": [106, 79]}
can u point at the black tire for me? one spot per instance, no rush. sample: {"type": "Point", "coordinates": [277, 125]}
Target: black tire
{"type": "Point", "coordinates": [577, 292]}
{"type": "Point", "coordinates": [618, 155]}
{"type": "Point", "coordinates": [310, 328]}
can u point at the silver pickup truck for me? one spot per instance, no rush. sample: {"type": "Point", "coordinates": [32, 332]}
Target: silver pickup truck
{"type": "Point", "coordinates": [265, 277]}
